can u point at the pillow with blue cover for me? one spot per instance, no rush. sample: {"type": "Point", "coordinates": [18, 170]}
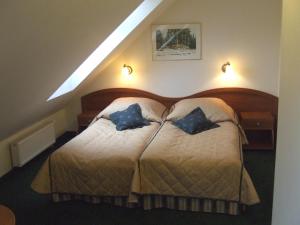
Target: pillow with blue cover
{"type": "Point", "coordinates": [129, 118]}
{"type": "Point", "coordinates": [195, 122]}
{"type": "Point", "coordinates": [152, 110]}
{"type": "Point", "coordinates": [215, 109]}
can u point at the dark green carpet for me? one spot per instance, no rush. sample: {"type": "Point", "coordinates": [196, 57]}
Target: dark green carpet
{"type": "Point", "coordinates": [34, 209]}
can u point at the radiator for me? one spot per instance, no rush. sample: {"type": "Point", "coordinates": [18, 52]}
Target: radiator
{"type": "Point", "coordinates": [26, 149]}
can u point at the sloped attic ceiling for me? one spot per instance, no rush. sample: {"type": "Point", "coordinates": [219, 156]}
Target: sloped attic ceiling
{"type": "Point", "coordinates": [42, 43]}
{"type": "Point", "coordinates": [107, 47]}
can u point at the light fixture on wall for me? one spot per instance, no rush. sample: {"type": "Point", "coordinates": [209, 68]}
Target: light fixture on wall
{"type": "Point", "coordinates": [229, 77]}
{"type": "Point", "coordinates": [226, 67]}
{"type": "Point", "coordinates": [126, 70]}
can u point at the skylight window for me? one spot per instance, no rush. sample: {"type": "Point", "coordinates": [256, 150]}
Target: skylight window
{"type": "Point", "coordinates": [106, 47]}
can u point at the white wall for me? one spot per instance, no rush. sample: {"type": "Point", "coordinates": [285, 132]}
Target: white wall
{"type": "Point", "coordinates": [247, 33]}
{"type": "Point", "coordinates": [286, 206]}
{"type": "Point", "coordinates": [60, 124]}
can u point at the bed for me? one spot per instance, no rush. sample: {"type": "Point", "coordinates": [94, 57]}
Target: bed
{"type": "Point", "coordinates": [101, 160]}
{"type": "Point", "coordinates": [203, 171]}
{"type": "Point", "coordinates": [132, 184]}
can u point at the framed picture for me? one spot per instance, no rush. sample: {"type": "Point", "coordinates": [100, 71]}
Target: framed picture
{"type": "Point", "coordinates": [176, 42]}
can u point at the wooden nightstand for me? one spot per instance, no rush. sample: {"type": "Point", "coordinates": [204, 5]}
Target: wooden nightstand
{"type": "Point", "coordinates": [259, 128]}
{"type": "Point", "coordinates": [85, 118]}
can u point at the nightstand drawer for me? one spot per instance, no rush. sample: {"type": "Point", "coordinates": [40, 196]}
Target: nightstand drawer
{"type": "Point", "coordinates": [259, 129]}
{"type": "Point", "coordinates": [85, 121]}
{"type": "Point", "coordinates": [85, 118]}
{"type": "Point", "coordinates": [257, 124]}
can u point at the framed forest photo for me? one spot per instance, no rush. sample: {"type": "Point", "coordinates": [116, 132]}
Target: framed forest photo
{"type": "Point", "coordinates": [176, 42]}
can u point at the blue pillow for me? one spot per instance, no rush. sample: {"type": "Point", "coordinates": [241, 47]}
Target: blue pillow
{"type": "Point", "coordinates": [195, 122]}
{"type": "Point", "coordinates": [129, 118]}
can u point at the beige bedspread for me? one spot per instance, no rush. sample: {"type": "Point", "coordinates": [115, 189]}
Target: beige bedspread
{"type": "Point", "coordinates": [100, 161]}
{"type": "Point", "coordinates": [204, 165]}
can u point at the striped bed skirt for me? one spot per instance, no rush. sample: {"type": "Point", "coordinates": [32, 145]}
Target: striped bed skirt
{"type": "Point", "coordinates": [148, 202]}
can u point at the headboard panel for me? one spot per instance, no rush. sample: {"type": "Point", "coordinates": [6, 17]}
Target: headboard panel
{"type": "Point", "coordinates": [240, 99]}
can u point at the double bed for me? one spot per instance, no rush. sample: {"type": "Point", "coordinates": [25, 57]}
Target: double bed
{"type": "Point", "coordinates": [157, 165]}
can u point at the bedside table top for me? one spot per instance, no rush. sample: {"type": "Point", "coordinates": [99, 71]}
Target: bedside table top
{"type": "Point", "coordinates": [88, 114]}
{"type": "Point", "coordinates": [256, 115]}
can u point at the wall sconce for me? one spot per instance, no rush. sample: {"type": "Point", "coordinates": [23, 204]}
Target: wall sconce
{"type": "Point", "coordinates": [126, 70]}
{"type": "Point", "coordinates": [226, 67]}
{"type": "Point", "coordinates": [228, 75]}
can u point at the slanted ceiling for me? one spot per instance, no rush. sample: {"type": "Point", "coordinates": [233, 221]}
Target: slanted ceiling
{"type": "Point", "coordinates": [42, 42]}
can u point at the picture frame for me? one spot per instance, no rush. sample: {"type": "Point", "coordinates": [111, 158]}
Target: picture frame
{"type": "Point", "coordinates": [176, 42]}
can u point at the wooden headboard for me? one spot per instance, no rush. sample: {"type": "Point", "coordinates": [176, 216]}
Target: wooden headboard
{"type": "Point", "coordinates": [240, 99]}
